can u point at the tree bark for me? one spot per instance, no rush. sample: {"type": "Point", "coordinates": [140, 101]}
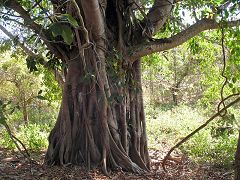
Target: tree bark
{"type": "Point", "coordinates": [99, 126]}
{"type": "Point", "coordinates": [101, 120]}
{"type": "Point", "coordinates": [175, 90]}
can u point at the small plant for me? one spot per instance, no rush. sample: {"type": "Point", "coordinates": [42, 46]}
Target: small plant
{"type": "Point", "coordinates": [5, 140]}
{"type": "Point", "coordinates": [170, 125]}
{"type": "Point", "coordinates": [33, 136]}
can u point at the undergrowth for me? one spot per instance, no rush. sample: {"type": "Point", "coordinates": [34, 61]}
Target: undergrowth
{"type": "Point", "coordinates": [165, 127]}
{"type": "Point", "coordinates": [33, 136]}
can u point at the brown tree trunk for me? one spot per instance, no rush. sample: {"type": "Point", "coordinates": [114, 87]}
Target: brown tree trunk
{"type": "Point", "coordinates": [237, 159]}
{"type": "Point", "coordinates": [101, 120]}
{"type": "Point", "coordinates": [99, 126]}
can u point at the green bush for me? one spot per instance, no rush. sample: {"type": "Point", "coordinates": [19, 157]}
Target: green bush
{"type": "Point", "coordinates": [33, 136]}
{"type": "Point", "coordinates": [5, 140]}
{"type": "Point", "coordinates": [218, 151]}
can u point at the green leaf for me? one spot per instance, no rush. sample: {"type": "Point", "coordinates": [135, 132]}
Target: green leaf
{"type": "Point", "coordinates": [226, 13]}
{"type": "Point", "coordinates": [70, 19]}
{"type": "Point", "coordinates": [59, 29]}
{"type": "Point", "coordinates": [31, 64]}
{"type": "Point", "coordinates": [234, 90]}
{"type": "Point", "coordinates": [238, 89]}
{"type": "Point", "coordinates": [232, 51]}
{"type": "Point", "coordinates": [56, 29]}
{"type": "Point", "coordinates": [67, 34]}
{"type": "Point", "coordinates": [234, 79]}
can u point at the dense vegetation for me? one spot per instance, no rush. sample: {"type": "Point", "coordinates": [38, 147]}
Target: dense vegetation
{"type": "Point", "coordinates": [185, 76]}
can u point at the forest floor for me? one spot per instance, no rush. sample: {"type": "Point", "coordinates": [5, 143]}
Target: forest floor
{"type": "Point", "coordinates": [14, 166]}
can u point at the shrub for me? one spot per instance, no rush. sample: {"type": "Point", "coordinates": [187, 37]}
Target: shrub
{"type": "Point", "coordinates": [33, 136]}
{"type": "Point", "coordinates": [218, 151]}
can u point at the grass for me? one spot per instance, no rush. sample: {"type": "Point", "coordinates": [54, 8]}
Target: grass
{"type": "Point", "coordinates": [170, 125]}
{"type": "Point", "coordinates": [165, 127]}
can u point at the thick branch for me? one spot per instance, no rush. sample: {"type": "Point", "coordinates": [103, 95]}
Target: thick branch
{"type": "Point", "coordinates": [176, 40]}
{"type": "Point", "coordinates": [58, 75]}
{"type": "Point", "coordinates": [159, 13]}
{"type": "Point", "coordinates": [93, 17]}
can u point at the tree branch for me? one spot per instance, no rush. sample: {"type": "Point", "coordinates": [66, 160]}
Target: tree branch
{"type": "Point", "coordinates": [12, 37]}
{"type": "Point", "coordinates": [158, 14]}
{"type": "Point", "coordinates": [159, 45]}
{"type": "Point", "coordinates": [37, 28]}
{"type": "Point", "coordinates": [57, 74]}
{"type": "Point", "coordinates": [93, 17]}
{"type": "Point", "coordinates": [14, 20]}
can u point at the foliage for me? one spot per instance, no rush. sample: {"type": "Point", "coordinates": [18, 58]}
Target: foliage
{"type": "Point", "coordinates": [34, 137]}
{"type": "Point", "coordinates": [191, 72]}
{"type": "Point", "coordinates": [13, 85]}
{"type": "Point", "coordinates": [169, 126]}
{"type": "Point", "coordinates": [217, 151]}
{"type": "Point", "coordinates": [52, 90]}
{"type": "Point", "coordinates": [13, 93]}
{"type": "Point", "coordinates": [168, 123]}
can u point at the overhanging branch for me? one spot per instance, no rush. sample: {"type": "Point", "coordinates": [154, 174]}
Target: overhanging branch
{"type": "Point", "coordinates": [12, 37]}
{"type": "Point", "coordinates": [37, 28]}
{"type": "Point", "coordinates": [28, 51]}
{"type": "Point", "coordinates": [159, 45]}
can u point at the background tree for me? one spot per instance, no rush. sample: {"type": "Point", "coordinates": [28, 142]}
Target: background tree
{"type": "Point", "coordinates": [98, 45]}
{"type": "Point", "coordinates": [185, 74]}
{"type": "Point", "coordinates": [15, 77]}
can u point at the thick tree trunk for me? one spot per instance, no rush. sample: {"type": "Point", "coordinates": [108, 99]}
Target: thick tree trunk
{"type": "Point", "coordinates": [237, 160]}
{"type": "Point", "coordinates": [100, 126]}
{"type": "Point", "coordinates": [101, 121]}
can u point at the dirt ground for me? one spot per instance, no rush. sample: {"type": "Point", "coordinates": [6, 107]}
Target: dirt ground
{"type": "Point", "coordinates": [14, 166]}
